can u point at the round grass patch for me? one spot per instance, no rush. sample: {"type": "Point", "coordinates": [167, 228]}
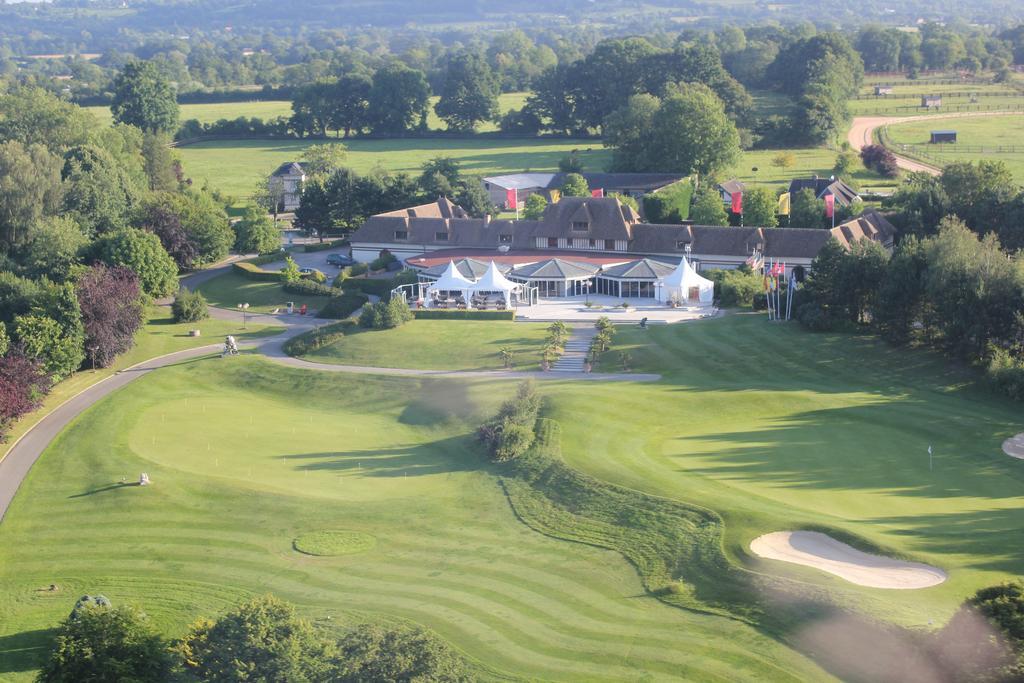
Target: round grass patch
{"type": "Point", "coordinates": [334, 542]}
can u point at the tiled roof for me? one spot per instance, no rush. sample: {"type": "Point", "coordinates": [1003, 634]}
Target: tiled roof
{"type": "Point", "coordinates": [555, 269]}
{"type": "Point", "coordinates": [288, 168]}
{"type": "Point", "coordinates": [844, 194]}
{"type": "Point", "coordinates": [604, 215]}
{"type": "Point", "coordinates": [732, 186]}
{"type": "Point", "coordinates": [609, 182]}
{"type": "Point", "coordinates": [469, 267]}
{"type": "Point", "coordinates": [870, 225]}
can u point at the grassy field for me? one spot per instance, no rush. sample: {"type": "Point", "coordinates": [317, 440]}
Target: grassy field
{"type": "Point", "coordinates": [778, 429]}
{"type": "Point", "coordinates": [235, 166]}
{"type": "Point", "coordinates": [905, 99]}
{"type": "Point", "coordinates": [270, 109]}
{"type": "Point", "coordinates": [807, 162]}
{"type": "Point", "coordinates": [439, 345]}
{"type": "Point", "coordinates": [231, 289]}
{"type": "Point", "coordinates": [159, 336]}
{"type": "Point", "coordinates": [993, 138]}
{"type": "Point", "coordinates": [246, 456]}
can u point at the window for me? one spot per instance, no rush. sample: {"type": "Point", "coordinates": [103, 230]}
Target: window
{"type": "Point", "coordinates": [401, 234]}
{"type": "Point", "coordinates": [505, 239]}
{"type": "Point", "coordinates": [609, 245]}
{"type": "Point", "coordinates": [580, 226]}
{"type": "Point", "coordinates": [487, 186]}
{"type": "Point", "coordinates": [592, 244]}
{"type": "Point", "coordinates": [552, 243]}
{"type": "Point", "coordinates": [440, 237]}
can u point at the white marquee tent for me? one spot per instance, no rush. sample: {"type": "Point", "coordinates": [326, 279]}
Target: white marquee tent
{"type": "Point", "coordinates": [452, 280]}
{"type": "Point", "coordinates": [492, 281]}
{"type": "Point", "coordinates": [682, 283]}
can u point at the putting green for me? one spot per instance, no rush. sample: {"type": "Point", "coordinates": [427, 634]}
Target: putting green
{"type": "Point", "coordinates": [245, 456]}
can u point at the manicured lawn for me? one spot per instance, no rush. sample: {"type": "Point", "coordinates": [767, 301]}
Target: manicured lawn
{"type": "Point", "coordinates": [230, 289]}
{"type": "Point", "coordinates": [439, 345]}
{"type": "Point", "coordinates": [245, 456]}
{"type": "Point", "coordinates": [159, 336]}
{"type": "Point", "coordinates": [235, 166]}
{"type": "Point", "coordinates": [993, 138]}
{"type": "Point", "coordinates": [777, 429]}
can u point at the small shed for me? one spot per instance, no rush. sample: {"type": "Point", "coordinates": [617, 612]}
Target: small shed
{"type": "Point", "coordinates": [929, 101]}
{"type": "Point", "coordinates": [883, 89]}
{"type": "Point", "coordinates": [943, 136]}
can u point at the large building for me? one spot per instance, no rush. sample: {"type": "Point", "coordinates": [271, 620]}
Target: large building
{"type": "Point", "coordinates": [286, 185]}
{"type": "Point", "coordinates": [579, 236]}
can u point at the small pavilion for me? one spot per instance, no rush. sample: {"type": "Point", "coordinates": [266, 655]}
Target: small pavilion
{"type": "Point", "coordinates": [685, 284]}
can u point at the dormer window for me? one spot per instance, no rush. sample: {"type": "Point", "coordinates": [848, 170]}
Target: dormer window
{"type": "Point", "coordinates": [580, 226]}
{"type": "Point", "coordinates": [681, 245]}
{"type": "Point", "coordinates": [401, 234]}
{"type": "Point", "coordinates": [505, 239]}
{"type": "Point", "coordinates": [440, 237]}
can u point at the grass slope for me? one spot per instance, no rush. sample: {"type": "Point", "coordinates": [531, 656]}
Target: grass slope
{"type": "Point", "coordinates": [775, 429]}
{"type": "Point", "coordinates": [245, 456]}
{"type": "Point", "coordinates": [438, 345]}
{"type": "Point", "coordinates": [230, 289]}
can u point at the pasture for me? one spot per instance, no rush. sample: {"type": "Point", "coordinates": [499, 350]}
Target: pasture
{"type": "Point", "coordinates": [957, 96]}
{"type": "Point", "coordinates": [990, 138]}
{"type": "Point", "coordinates": [236, 166]}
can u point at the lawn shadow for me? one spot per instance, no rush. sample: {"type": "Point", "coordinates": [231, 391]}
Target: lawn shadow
{"type": "Point", "coordinates": [24, 651]}
{"type": "Point", "coordinates": [437, 457]}
{"type": "Point", "coordinates": [103, 489]}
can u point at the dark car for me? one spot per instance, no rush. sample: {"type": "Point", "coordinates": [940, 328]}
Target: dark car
{"type": "Point", "coordinates": [340, 260]}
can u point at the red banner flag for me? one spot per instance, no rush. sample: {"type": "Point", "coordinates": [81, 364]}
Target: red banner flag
{"type": "Point", "coordinates": [512, 199]}
{"type": "Point", "coordinates": [737, 202]}
{"type": "Point", "coordinates": [830, 205]}
{"type": "Point", "coordinates": [599, 192]}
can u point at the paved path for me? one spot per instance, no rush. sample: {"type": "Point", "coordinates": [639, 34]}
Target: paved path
{"type": "Point", "coordinates": [862, 133]}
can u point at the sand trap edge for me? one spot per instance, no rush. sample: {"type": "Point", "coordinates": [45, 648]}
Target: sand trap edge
{"type": "Point", "coordinates": [820, 551]}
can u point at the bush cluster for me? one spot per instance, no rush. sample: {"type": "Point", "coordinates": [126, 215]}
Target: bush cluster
{"type": "Point", "coordinates": [510, 433]}
{"type": "Point", "coordinates": [383, 261]}
{"type": "Point", "coordinates": [379, 287]}
{"type": "Point", "coordinates": [308, 342]}
{"type": "Point", "coordinates": [310, 288]}
{"type": "Point", "coordinates": [385, 315]}
{"type": "Point", "coordinates": [880, 160]}
{"type": "Point", "coordinates": [189, 306]}
{"type": "Point", "coordinates": [736, 288]}
{"type": "Point", "coordinates": [325, 246]}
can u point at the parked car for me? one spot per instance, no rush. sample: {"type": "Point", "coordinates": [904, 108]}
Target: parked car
{"type": "Point", "coordinates": [340, 260]}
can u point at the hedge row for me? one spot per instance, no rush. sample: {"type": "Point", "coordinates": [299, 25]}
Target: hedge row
{"type": "Point", "coordinates": [320, 337]}
{"type": "Point", "coordinates": [254, 272]}
{"type": "Point", "coordinates": [340, 307]}
{"type": "Point", "coordinates": [455, 314]}
{"type": "Point", "coordinates": [263, 259]}
{"type": "Point", "coordinates": [310, 288]}
{"type": "Point", "coordinates": [378, 287]}
{"type": "Point", "coordinates": [325, 246]}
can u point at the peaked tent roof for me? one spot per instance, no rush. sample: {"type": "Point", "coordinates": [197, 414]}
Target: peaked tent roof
{"type": "Point", "coordinates": [451, 279]}
{"type": "Point", "coordinates": [683, 275]}
{"type": "Point", "coordinates": [493, 281]}
{"type": "Point", "coordinates": [644, 269]}
{"type": "Point", "coordinates": [470, 267]}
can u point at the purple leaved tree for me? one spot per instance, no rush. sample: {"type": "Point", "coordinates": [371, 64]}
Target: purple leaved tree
{"type": "Point", "coordinates": [23, 384]}
{"type": "Point", "coordinates": [111, 303]}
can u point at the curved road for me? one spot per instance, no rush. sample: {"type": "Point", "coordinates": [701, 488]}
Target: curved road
{"type": "Point", "coordinates": [26, 451]}
{"type": "Point", "coordinates": [862, 133]}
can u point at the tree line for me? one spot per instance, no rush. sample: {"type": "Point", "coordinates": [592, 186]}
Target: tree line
{"type": "Point", "coordinates": [262, 639]}
{"type": "Point", "coordinates": [95, 223]}
{"type": "Point", "coordinates": [952, 282]}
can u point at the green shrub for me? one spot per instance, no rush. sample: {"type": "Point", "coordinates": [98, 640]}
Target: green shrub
{"type": "Point", "coordinates": [357, 269]}
{"type": "Point", "coordinates": [382, 261]}
{"type": "Point", "coordinates": [455, 314]}
{"type": "Point", "coordinates": [338, 307]}
{"type": "Point", "coordinates": [189, 307]}
{"type": "Point", "coordinates": [264, 259]}
{"type": "Point", "coordinates": [1007, 374]}
{"type": "Point", "coordinates": [254, 272]}
{"type": "Point", "coordinates": [510, 433]}
{"type": "Point", "coordinates": [310, 288]}
{"type": "Point", "coordinates": [308, 342]}
{"type": "Point", "coordinates": [381, 287]}
{"type": "Point", "coordinates": [736, 288]}
{"type": "Point", "coordinates": [670, 204]}
{"type": "Point", "coordinates": [385, 315]}
{"type": "Point", "coordinates": [315, 276]}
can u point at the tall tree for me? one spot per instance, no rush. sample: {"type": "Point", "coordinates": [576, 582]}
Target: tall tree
{"type": "Point", "coordinates": [30, 187]}
{"type": "Point", "coordinates": [322, 160]}
{"type": "Point", "coordinates": [98, 193]}
{"type": "Point", "coordinates": [397, 100]}
{"type": "Point", "coordinates": [23, 384]}
{"type": "Point", "coordinates": [759, 206]}
{"type": "Point", "coordinates": [111, 303]}
{"type": "Point", "coordinates": [256, 233]}
{"type": "Point", "coordinates": [142, 253]}
{"type": "Point", "coordinates": [349, 100]}
{"type": "Point", "coordinates": [806, 210]}
{"type": "Point", "coordinates": [692, 134]}
{"type": "Point", "coordinates": [144, 98]}
{"type": "Point", "coordinates": [33, 116]}
{"type": "Point", "coordinates": [54, 248]}
{"type": "Point", "coordinates": [708, 208]}
{"type": "Point", "coordinates": [575, 185]}
{"type": "Point", "coordinates": [469, 94]}
{"type": "Point", "coordinates": [160, 167]}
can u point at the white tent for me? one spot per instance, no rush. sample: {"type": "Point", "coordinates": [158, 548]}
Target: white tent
{"type": "Point", "coordinates": [452, 280]}
{"type": "Point", "coordinates": [682, 282]}
{"type": "Point", "coordinates": [493, 281]}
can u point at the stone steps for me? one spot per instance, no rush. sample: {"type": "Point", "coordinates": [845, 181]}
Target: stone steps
{"type": "Point", "coordinates": [576, 349]}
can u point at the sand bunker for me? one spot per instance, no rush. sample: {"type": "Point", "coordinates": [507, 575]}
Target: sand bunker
{"type": "Point", "coordinates": [1014, 446]}
{"type": "Point", "coordinates": [813, 549]}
